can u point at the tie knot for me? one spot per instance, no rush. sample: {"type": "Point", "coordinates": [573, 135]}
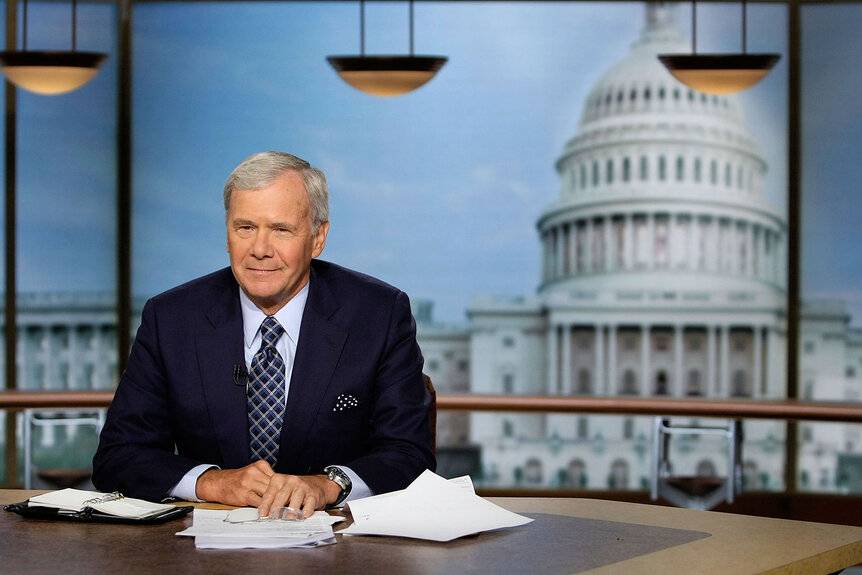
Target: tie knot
{"type": "Point", "coordinates": [270, 331]}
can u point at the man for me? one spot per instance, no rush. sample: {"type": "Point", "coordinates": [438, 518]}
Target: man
{"type": "Point", "coordinates": [281, 381]}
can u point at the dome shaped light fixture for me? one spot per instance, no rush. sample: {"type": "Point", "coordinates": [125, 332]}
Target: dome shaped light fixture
{"type": "Point", "coordinates": [50, 72]}
{"type": "Point", "coordinates": [718, 73]}
{"type": "Point", "coordinates": [385, 75]}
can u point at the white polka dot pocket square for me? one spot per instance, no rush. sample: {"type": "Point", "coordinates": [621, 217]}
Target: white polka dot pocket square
{"type": "Point", "coordinates": [345, 402]}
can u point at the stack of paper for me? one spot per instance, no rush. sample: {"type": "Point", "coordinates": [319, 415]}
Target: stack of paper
{"type": "Point", "coordinates": [430, 508]}
{"type": "Point", "coordinates": [211, 531]}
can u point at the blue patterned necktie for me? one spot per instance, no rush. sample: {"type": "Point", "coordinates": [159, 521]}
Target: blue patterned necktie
{"type": "Point", "coordinates": [266, 394]}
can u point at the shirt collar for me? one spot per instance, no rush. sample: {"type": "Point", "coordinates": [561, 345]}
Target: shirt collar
{"type": "Point", "coordinates": [289, 316]}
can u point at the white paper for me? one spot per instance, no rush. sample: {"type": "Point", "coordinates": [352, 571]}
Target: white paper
{"type": "Point", "coordinates": [430, 508]}
{"type": "Point", "coordinates": [211, 531]}
{"type": "Point", "coordinates": [222, 542]}
{"type": "Point", "coordinates": [362, 509]}
{"type": "Point", "coordinates": [69, 499]}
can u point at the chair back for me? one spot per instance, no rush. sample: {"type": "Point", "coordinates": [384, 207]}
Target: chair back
{"type": "Point", "coordinates": [432, 412]}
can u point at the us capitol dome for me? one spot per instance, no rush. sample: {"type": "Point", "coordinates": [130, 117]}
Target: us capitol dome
{"type": "Point", "coordinates": [662, 274]}
{"type": "Point", "coordinates": [662, 241]}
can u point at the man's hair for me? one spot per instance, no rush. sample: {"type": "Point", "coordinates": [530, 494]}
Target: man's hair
{"type": "Point", "coordinates": [260, 170]}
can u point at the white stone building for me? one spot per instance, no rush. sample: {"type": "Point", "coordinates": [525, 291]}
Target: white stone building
{"type": "Point", "coordinates": [66, 341]}
{"type": "Point", "coordinates": [830, 367]}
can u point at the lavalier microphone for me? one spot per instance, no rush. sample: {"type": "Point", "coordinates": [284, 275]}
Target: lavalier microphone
{"type": "Point", "coordinates": [240, 375]}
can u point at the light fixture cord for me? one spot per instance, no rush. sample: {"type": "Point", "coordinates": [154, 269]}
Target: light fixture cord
{"type": "Point", "coordinates": [74, 24]}
{"type": "Point", "coordinates": [411, 27]}
{"type": "Point", "coordinates": [693, 27]}
{"type": "Point", "coordinates": [362, 27]}
{"type": "Point", "coordinates": [24, 27]}
{"type": "Point", "coordinates": [744, 32]}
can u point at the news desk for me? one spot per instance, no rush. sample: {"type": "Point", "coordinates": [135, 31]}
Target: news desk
{"type": "Point", "coordinates": [567, 536]}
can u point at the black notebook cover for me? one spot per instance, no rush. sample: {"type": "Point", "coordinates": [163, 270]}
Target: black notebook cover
{"type": "Point", "coordinates": [89, 514]}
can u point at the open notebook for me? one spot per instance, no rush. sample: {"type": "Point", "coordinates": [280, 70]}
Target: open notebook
{"type": "Point", "coordinates": [81, 505]}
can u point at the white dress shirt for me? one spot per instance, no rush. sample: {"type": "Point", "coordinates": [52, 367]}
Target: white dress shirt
{"type": "Point", "coordinates": [290, 318]}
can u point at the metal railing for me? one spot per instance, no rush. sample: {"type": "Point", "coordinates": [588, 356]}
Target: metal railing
{"type": "Point", "coordinates": [790, 410]}
{"type": "Point", "coordinates": [785, 409]}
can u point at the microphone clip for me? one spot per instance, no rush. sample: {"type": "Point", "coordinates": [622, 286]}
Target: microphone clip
{"type": "Point", "coordinates": [240, 375]}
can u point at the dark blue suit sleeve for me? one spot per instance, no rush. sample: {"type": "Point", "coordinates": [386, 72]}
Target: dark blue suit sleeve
{"type": "Point", "coordinates": [399, 439]}
{"type": "Point", "coordinates": [136, 453]}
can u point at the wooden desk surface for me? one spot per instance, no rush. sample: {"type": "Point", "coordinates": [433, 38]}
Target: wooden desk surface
{"type": "Point", "coordinates": [735, 544]}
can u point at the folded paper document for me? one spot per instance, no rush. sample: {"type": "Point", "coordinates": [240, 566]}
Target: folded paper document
{"type": "Point", "coordinates": [430, 508]}
{"type": "Point", "coordinates": [214, 529]}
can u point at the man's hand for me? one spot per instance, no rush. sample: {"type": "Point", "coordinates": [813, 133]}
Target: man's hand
{"type": "Point", "coordinates": [307, 493]}
{"type": "Point", "coordinates": [241, 487]}
{"type": "Point", "coordinates": [257, 485]}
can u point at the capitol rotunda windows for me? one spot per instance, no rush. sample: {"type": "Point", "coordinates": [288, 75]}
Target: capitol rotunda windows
{"type": "Point", "coordinates": [595, 175]}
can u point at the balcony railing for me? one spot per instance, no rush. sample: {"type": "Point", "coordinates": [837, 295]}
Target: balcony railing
{"type": "Point", "coordinates": [788, 409]}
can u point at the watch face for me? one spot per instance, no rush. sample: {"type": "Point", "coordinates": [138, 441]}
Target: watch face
{"type": "Point", "coordinates": [339, 477]}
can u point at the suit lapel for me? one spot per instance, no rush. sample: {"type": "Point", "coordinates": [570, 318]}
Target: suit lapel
{"type": "Point", "coordinates": [218, 350]}
{"type": "Point", "coordinates": [318, 350]}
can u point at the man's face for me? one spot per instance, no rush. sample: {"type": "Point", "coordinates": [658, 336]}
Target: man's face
{"type": "Point", "coordinates": [270, 242]}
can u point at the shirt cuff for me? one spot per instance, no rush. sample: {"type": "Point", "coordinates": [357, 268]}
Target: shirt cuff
{"type": "Point", "coordinates": [359, 488]}
{"type": "Point", "coordinates": [185, 489]}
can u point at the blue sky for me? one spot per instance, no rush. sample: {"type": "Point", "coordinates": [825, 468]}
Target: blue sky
{"type": "Point", "coordinates": [832, 130]}
{"type": "Point", "coordinates": [436, 192]}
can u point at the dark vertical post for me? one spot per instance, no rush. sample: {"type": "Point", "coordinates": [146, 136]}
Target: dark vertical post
{"type": "Point", "coordinates": [124, 181]}
{"type": "Point", "coordinates": [794, 230]}
{"type": "Point", "coordinates": [10, 300]}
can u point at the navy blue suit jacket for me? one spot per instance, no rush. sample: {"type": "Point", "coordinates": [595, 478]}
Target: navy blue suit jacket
{"type": "Point", "coordinates": [177, 404]}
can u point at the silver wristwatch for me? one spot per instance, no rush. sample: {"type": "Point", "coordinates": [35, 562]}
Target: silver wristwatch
{"type": "Point", "coordinates": [339, 477]}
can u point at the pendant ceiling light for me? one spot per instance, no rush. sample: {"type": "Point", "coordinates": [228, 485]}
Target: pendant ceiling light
{"type": "Point", "coordinates": [385, 75]}
{"type": "Point", "coordinates": [50, 72]}
{"type": "Point", "coordinates": [718, 73]}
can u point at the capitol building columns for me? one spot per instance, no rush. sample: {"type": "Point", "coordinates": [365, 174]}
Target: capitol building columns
{"type": "Point", "coordinates": [581, 247]}
{"type": "Point", "coordinates": [602, 384]}
{"type": "Point", "coordinates": [645, 362]}
{"type": "Point", "coordinates": [677, 388]}
{"type": "Point", "coordinates": [724, 361]}
{"type": "Point", "coordinates": [757, 390]}
{"type": "Point", "coordinates": [553, 363]}
{"type": "Point", "coordinates": [714, 359]}
{"type": "Point", "coordinates": [711, 364]}
{"type": "Point", "coordinates": [610, 383]}
{"type": "Point", "coordinates": [566, 384]}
